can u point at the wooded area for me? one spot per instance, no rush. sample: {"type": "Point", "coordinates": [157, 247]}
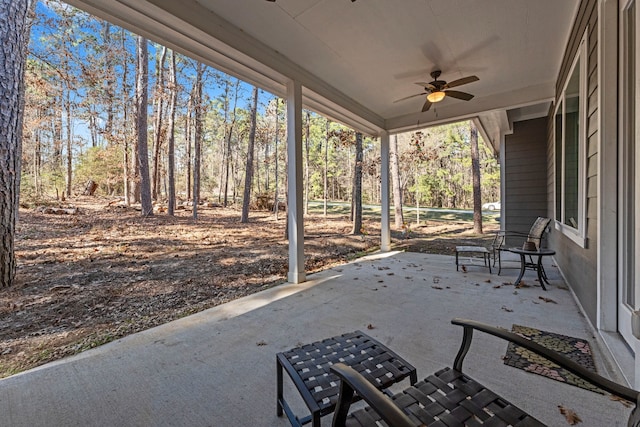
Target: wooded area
{"type": "Point", "coordinates": [86, 118]}
{"type": "Point", "coordinates": [112, 120]}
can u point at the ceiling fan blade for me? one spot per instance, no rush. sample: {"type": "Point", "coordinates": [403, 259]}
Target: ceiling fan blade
{"type": "Point", "coordinates": [409, 97]}
{"type": "Point", "coordinates": [459, 95]}
{"type": "Point", "coordinates": [462, 81]}
{"type": "Point", "coordinates": [426, 106]}
{"type": "Point", "coordinates": [426, 85]}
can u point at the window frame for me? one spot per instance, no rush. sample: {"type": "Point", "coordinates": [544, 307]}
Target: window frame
{"type": "Point", "coordinates": [577, 235]}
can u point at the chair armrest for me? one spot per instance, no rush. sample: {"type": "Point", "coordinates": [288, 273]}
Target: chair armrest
{"type": "Point", "coordinates": [557, 358]}
{"type": "Point", "coordinates": [352, 381]}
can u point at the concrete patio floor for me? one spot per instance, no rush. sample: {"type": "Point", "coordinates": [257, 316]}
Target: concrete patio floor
{"type": "Point", "coordinates": [217, 368]}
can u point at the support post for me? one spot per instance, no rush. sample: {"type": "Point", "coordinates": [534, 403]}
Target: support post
{"type": "Point", "coordinates": [294, 170]}
{"type": "Point", "coordinates": [385, 226]}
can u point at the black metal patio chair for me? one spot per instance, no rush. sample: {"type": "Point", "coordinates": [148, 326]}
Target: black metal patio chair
{"type": "Point", "coordinates": [451, 398]}
{"type": "Point", "coordinates": [533, 237]}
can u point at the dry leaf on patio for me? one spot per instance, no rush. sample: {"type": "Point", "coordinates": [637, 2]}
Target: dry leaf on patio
{"type": "Point", "coordinates": [488, 281]}
{"type": "Point", "coordinates": [261, 343]}
{"type": "Point", "coordinates": [464, 269]}
{"type": "Point", "coordinates": [370, 326]}
{"type": "Point", "coordinates": [522, 285]}
{"type": "Point", "coordinates": [626, 403]}
{"type": "Point", "coordinates": [545, 299]}
{"type": "Point", "coordinates": [436, 287]}
{"type": "Point", "coordinates": [497, 286]}
{"type": "Point", "coordinates": [436, 279]}
{"type": "Point", "coordinates": [570, 415]}
{"type": "Point", "coordinates": [507, 309]}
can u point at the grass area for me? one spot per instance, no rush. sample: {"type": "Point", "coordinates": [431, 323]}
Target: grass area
{"type": "Point", "coordinates": [410, 213]}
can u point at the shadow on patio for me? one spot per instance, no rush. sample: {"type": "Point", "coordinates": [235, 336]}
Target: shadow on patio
{"type": "Point", "coordinates": [217, 368]}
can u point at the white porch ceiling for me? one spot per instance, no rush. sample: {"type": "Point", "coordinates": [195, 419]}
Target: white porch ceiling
{"type": "Point", "coordinates": [355, 58]}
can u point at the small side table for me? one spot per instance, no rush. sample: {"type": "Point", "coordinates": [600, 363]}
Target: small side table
{"type": "Point", "coordinates": [524, 264]}
{"type": "Point", "coordinates": [309, 367]}
{"type": "Point", "coordinates": [486, 255]}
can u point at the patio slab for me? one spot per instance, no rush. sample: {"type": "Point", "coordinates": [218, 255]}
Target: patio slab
{"type": "Point", "coordinates": [217, 367]}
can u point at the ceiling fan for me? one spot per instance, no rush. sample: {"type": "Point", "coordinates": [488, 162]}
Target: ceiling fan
{"type": "Point", "coordinates": [437, 90]}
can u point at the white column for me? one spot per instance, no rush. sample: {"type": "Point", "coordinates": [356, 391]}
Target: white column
{"type": "Point", "coordinates": [503, 182]}
{"type": "Point", "coordinates": [385, 229]}
{"type": "Point", "coordinates": [607, 290]}
{"type": "Point", "coordinates": [294, 171]}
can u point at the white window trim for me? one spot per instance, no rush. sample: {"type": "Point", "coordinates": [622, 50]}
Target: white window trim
{"type": "Point", "coordinates": [577, 236]}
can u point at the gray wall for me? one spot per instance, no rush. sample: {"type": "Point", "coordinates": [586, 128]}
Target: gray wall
{"type": "Point", "coordinates": [579, 265]}
{"type": "Point", "coordinates": [525, 169]}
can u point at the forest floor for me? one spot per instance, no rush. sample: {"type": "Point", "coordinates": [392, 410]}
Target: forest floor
{"type": "Point", "coordinates": [105, 272]}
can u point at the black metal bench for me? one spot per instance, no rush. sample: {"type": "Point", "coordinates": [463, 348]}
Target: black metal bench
{"type": "Point", "coordinates": [451, 398]}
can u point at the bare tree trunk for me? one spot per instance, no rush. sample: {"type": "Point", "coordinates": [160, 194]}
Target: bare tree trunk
{"type": "Point", "coordinates": [326, 166]}
{"type": "Point", "coordinates": [170, 130]}
{"type": "Point", "coordinates": [275, 149]}
{"type": "Point", "coordinates": [475, 168]}
{"type": "Point", "coordinates": [109, 81]}
{"type": "Point", "coordinates": [142, 81]}
{"type": "Point", "coordinates": [357, 188]}
{"type": "Point", "coordinates": [187, 133]}
{"type": "Point", "coordinates": [197, 137]}
{"type": "Point", "coordinates": [14, 34]}
{"type": "Point", "coordinates": [395, 178]}
{"type": "Point", "coordinates": [125, 119]}
{"type": "Point", "coordinates": [228, 149]}
{"type": "Point", "coordinates": [157, 140]}
{"type": "Point", "coordinates": [67, 103]}
{"type": "Point", "coordinates": [248, 176]}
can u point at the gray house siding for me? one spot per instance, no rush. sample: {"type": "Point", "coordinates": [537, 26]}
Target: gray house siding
{"type": "Point", "coordinates": [579, 265]}
{"type": "Point", "coordinates": [525, 175]}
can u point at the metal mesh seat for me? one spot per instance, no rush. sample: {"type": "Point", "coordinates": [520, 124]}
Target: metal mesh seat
{"type": "Point", "coordinates": [449, 398]}
{"type": "Point", "coordinates": [309, 366]}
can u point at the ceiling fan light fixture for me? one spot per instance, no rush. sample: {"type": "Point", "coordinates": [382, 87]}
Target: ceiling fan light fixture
{"type": "Point", "coordinates": [436, 96]}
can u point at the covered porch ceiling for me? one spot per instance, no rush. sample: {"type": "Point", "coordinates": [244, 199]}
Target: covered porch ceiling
{"type": "Point", "coordinates": [354, 59]}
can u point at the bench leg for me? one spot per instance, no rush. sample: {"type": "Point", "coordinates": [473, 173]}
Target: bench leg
{"type": "Point", "coordinates": [456, 260]}
{"type": "Point", "coordinates": [279, 386]}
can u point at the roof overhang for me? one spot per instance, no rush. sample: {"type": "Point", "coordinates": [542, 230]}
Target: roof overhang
{"type": "Point", "coordinates": [507, 44]}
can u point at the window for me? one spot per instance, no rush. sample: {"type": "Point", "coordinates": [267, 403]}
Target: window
{"type": "Point", "coordinates": [570, 143]}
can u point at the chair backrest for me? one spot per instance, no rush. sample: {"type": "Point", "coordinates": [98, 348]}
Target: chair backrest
{"type": "Point", "coordinates": [537, 230]}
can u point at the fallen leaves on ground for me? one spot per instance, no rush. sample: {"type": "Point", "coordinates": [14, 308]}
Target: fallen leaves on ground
{"type": "Point", "coordinates": [624, 402]}
{"type": "Point", "coordinates": [545, 299]}
{"type": "Point", "coordinates": [507, 309]}
{"type": "Point", "coordinates": [570, 415]}
{"type": "Point", "coordinates": [110, 272]}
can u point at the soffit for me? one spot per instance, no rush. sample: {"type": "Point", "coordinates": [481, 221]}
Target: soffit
{"type": "Point", "coordinates": [356, 58]}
